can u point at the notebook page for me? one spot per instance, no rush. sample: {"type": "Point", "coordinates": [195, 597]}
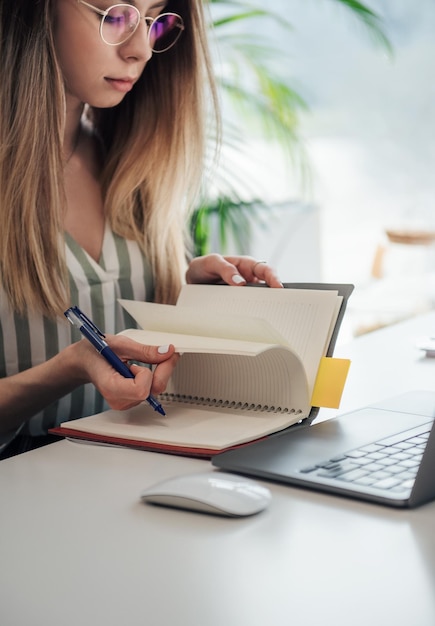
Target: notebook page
{"type": "Point", "coordinates": [197, 427]}
{"type": "Point", "coordinates": [175, 319]}
{"type": "Point", "coordinates": [303, 316]}
{"type": "Point", "coordinates": [196, 343]}
{"type": "Point", "coordinates": [274, 378]}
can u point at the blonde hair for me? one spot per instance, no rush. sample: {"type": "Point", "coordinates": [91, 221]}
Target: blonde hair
{"type": "Point", "coordinates": [154, 150]}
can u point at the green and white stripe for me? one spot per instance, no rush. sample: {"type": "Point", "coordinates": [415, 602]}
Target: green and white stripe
{"type": "Point", "coordinates": [121, 272]}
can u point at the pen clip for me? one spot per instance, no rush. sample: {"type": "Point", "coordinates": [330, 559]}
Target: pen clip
{"type": "Point", "coordinates": [85, 319]}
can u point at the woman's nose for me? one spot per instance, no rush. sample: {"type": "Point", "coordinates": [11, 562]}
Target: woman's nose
{"type": "Point", "coordinates": [138, 45]}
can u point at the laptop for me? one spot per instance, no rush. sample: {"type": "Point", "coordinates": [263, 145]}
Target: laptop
{"type": "Point", "coordinates": [383, 453]}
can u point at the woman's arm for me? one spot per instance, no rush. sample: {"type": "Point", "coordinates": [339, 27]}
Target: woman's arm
{"type": "Point", "coordinates": [233, 270]}
{"type": "Point", "coordinates": [28, 392]}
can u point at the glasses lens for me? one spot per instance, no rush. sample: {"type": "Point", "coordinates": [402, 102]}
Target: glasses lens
{"type": "Point", "coordinates": [164, 31]}
{"type": "Point", "coordinates": [120, 23]}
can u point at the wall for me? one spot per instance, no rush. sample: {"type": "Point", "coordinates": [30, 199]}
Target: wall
{"type": "Point", "coordinates": [369, 135]}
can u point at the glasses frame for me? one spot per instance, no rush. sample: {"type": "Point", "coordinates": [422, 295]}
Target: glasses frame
{"type": "Point", "coordinates": [149, 21]}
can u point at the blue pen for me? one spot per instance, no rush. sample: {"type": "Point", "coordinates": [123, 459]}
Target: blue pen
{"type": "Point", "coordinates": [93, 334]}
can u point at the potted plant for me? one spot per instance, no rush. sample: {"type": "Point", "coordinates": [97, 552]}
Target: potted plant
{"type": "Point", "coordinates": [257, 97]}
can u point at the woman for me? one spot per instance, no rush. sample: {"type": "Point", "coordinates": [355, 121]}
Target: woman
{"type": "Point", "coordinates": [102, 115]}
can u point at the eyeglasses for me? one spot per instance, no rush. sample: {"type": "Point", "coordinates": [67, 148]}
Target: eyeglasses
{"type": "Point", "coordinates": [120, 21]}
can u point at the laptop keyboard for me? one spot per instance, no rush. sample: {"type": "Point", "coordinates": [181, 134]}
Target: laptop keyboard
{"type": "Point", "coordinates": [388, 464]}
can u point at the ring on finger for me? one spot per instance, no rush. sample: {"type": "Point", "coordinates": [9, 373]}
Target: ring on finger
{"type": "Point", "coordinates": [258, 263]}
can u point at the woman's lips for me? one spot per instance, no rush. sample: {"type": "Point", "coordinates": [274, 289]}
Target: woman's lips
{"type": "Point", "coordinates": [121, 84]}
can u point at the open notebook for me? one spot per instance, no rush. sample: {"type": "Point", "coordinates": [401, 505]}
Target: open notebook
{"type": "Point", "coordinates": [255, 361]}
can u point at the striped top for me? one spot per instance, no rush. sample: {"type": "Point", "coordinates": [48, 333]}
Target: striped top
{"type": "Point", "coordinates": [121, 272]}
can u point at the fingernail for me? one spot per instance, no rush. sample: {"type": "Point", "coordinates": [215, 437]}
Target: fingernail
{"type": "Point", "coordinates": [163, 349]}
{"type": "Point", "coordinates": [238, 279]}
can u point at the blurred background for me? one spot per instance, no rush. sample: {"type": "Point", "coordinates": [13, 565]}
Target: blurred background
{"type": "Point", "coordinates": [342, 187]}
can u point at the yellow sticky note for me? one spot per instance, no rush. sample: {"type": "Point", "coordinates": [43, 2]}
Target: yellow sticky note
{"type": "Point", "coordinates": [330, 381]}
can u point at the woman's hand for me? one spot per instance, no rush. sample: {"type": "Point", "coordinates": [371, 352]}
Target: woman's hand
{"type": "Point", "coordinates": [123, 393]}
{"type": "Point", "coordinates": [233, 270]}
{"type": "Point", "coordinates": [23, 395]}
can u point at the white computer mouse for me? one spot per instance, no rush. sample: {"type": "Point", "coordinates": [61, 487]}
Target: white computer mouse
{"type": "Point", "coordinates": [210, 492]}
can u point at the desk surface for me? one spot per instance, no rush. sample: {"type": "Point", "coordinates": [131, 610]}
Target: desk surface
{"type": "Point", "coordinates": [78, 547]}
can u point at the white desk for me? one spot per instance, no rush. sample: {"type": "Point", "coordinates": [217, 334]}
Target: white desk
{"type": "Point", "coordinates": [78, 548]}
